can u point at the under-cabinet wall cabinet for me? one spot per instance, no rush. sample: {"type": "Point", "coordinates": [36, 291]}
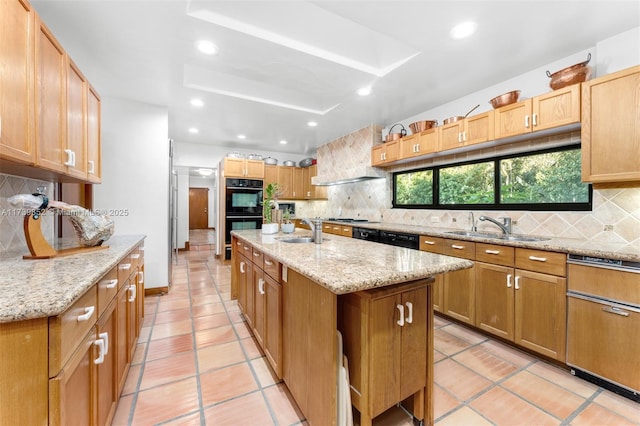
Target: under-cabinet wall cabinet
{"type": "Point", "coordinates": [70, 369]}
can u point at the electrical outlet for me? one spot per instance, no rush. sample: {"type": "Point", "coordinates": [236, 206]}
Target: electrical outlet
{"type": "Point", "coordinates": [608, 227]}
{"type": "Point", "coordinates": [454, 220]}
{"type": "Point", "coordinates": [435, 219]}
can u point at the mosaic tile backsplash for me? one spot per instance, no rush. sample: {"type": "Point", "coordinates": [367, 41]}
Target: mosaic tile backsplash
{"type": "Point", "coordinates": [11, 221]}
{"type": "Point", "coordinates": [615, 217]}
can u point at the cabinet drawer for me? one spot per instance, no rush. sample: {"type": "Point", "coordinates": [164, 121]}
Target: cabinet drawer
{"type": "Point", "coordinates": [457, 248]}
{"type": "Point", "coordinates": [604, 282]}
{"type": "Point", "coordinates": [67, 330]}
{"type": "Point", "coordinates": [257, 258]}
{"type": "Point", "coordinates": [346, 231]}
{"type": "Point", "coordinates": [107, 290]}
{"type": "Point", "coordinates": [271, 267]}
{"type": "Point", "coordinates": [498, 255]}
{"type": "Point", "coordinates": [245, 249]}
{"type": "Point", "coordinates": [432, 244]}
{"type": "Point", "coordinates": [542, 261]}
{"type": "Point", "coordinates": [125, 268]}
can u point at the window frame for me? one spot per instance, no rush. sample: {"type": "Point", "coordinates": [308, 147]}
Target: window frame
{"type": "Point", "coordinates": [497, 205]}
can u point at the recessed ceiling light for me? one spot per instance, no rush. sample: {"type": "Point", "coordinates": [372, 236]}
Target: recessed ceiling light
{"type": "Point", "coordinates": [364, 91]}
{"type": "Point", "coordinates": [197, 102]}
{"type": "Point", "coordinates": [193, 130]}
{"type": "Point", "coordinates": [242, 136]}
{"type": "Point", "coordinates": [462, 30]}
{"type": "Point", "coordinates": [283, 142]}
{"type": "Point", "coordinates": [312, 124]}
{"type": "Point", "coordinates": [205, 172]}
{"type": "Point", "coordinates": [207, 47]}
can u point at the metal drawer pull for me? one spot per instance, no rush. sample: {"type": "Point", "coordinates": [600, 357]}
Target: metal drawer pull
{"type": "Point", "coordinates": [256, 254]}
{"type": "Point", "coordinates": [105, 336]}
{"type": "Point", "coordinates": [261, 286]}
{"type": "Point", "coordinates": [246, 247]}
{"type": "Point", "coordinates": [410, 316]}
{"type": "Point", "coordinates": [141, 277]}
{"type": "Point", "coordinates": [517, 282]}
{"type": "Point", "coordinates": [401, 320]}
{"type": "Point", "coordinates": [268, 262]}
{"type": "Point", "coordinates": [135, 256]}
{"type": "Point", "coordinates": [125, 266]}
{"type": "Point", "coordinates": [112, 283]}
{"type": "Point", "coordinates": [242, 267]}
{"type": "Point", "coordinates": [538, 259]}
{"type": "Point", "coordinates": [508, 280]}
{"type": "Point", "coordinates": [614, 310]}
{"type": "Point", "coordinates": [431, 243]}
{"type": "Point", "coordinates": [492, 251]}
{"type": "Point", "coordinates": [87, 313]}
{"type": "Point", "coordinates": [238, 243]}
{"type": "Point", "coordinates": [133, 291]}
{"type": "Point", "coordinates": [457, 247]}
{"type": "Point", "coordinates": [100, 344]}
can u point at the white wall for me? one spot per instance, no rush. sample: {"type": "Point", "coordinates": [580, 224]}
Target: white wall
{"type": "Point", "coordinates": [183, 207]}
{"type": "Point", "coordinates": [211, 185]}
{"type": "Point", "coordinates": [135, 176]}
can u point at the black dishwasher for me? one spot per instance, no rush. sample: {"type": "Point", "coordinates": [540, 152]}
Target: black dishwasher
{"type": "Point", "coordinates": [400, 239]}
{"type": "Point", "coordinates": [366, 234]}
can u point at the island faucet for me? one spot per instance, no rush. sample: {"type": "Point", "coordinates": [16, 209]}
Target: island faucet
{"type": "Point", "coordinates": [472, 220]}
{"type": "Point", "coordinates": [316, 229]}
{"type": "Point", "coordinates": [308, 222]}
{"type": "Point", "coordinates": [505, 225]}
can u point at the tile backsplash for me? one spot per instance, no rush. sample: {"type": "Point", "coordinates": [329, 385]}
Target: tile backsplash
{"type": "Point", "coordinates": [11, 219]}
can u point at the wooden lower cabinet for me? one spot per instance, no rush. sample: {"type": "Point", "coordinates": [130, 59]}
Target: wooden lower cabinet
{"type": "Point", "coordinates": [122, 352]}
{"type": "Point", "coordinates": [495, 299]}
{"type": "Point", "coordinates": [273, 327]}
{"type": "Point", "coordinates": [385, 335]}
{"type": "Point", "coordinates": [106, 382]}
{"type": "Point", "coordinates": [259, 305]}
{"type": "Point", "coordinates": [459, 295]}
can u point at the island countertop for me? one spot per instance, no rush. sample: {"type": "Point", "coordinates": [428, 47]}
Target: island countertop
{"type": "Point", "coordinates": [346, 265]}
{"type": "Point", "coordinates": [47, 287]}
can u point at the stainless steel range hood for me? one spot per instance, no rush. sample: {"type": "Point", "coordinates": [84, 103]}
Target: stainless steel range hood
{"type": "Point", "coordinates": [356, 174]}
{"type": "Point", "coordinates": [348, 158]}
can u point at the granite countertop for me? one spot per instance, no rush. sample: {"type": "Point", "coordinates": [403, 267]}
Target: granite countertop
{"type": "Point", "coordinates": [611, 250]}
{"type": "Point", "coordinates": [47, 287]}
{"type": "Point", "coordinates": [346, 265]}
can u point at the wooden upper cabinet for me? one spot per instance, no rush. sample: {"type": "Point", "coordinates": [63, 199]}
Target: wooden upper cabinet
{"type": "Point", "coordinates": [94, 136]}
{"type": "Point", "coordinates": [450, 136]}
{"type": "Point", "coordinates": [242, 168]}
{"type": "Point", "coordinates": [384, 153]}
{"type": "Point", "coordinates": [50, 103]}
{"type": "Point", "coordinates": [408, 145]}
{"type": "Point", "coordinates": [317, 192]}
{"type": "Point", "coordinates": [419, 144]}
{"type": "Point", "coordinates": [298, 183]}
{"type": "Point", "coordinates": [255, 169]}
{"type": "Point", "coordinates": [270, 174]}
{"type": "Point", "coordinates": [17, 81]}
{"type": "Point", "coordinates": [285, 179]}
{"type": "Point", "coordinates": [611, 128]}
{"type": "Point", "coordinates": [76, 122]}
{"type": "Point", "coordinates": [512, 120]}
{"type": "Point", "coordinates": [479, 128]}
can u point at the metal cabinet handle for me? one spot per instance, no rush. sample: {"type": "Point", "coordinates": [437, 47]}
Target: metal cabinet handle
{"type": "Point", "coordinates": [457, 247]}
{"type": "Point", "coordinates": [492, 251]}
{"type": "Point", "coordinates": [112, 283]}
{"type": "Point", "coordinates": [88, 311]}
{"type": "Point", "coordinates": [69, 161]}
{"type": "Point", "coordinates": [242, 267]}
{"type": "Point", "coordinates": [464, 136]}
{"type": "Point", "coordinates": [400, 322]}
{"type": "Point", "coordinates": [141, 277]}
{"type": "Point", "coordinates": [538, 259]}
{"type": "Point", "coordinates": [268, 262]}
{"type": "Point", "coordinates": [246, 247]}
{"type": "Point", "coordinates": [100, 344]}
{"type": "Point", "coordinates": [614, 310]}
{"type": "Point", "coordinates": [256, 254]}
{"type": "Point", "coordinates": [508, 280]}
{"type": "Point", "coordinates": [526, 121]}
{"type": "Point", "coordinates": [535, 119]}
{"type": "Point", "coordinates": [135, 256]}
{"type": "Point", "coordinates": [459, 137]}
{"type": "Point", "coordinates": [105, 336]}
{"type": "Point", "coordinates": [133, 291]}
{"type": "Point", "coordinates": [92, 167]}
{"type": "Point", "coordinates": [431, 243]}
{"type": "Point", "coordinates": [410, 316]}
{"type": "Point", "coordinates": [517, 282]}
{"type": "Point", "coordinates": [238, 243]}
{"type": "Point", "coordinates": [125, 266]}
{"type": "Point", "coordinates": [261, 286]}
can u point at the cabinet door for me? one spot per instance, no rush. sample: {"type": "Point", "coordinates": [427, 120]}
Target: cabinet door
{"type": "Point", "coordinates": [414, 342]}
{"type": "Point", "coordinates": [249, 295]}
{"type": "Point", "coordinates": [121, 346]}
{"type": "Point", "coordinates": [254, 169]}
{"type": "Point", "coordinates": [557, 108]}
{"type": "Point", "coordinates": [385, 347]}
{"type": "Point", "coordinates": [514, 119]}
{"type": "Point", "coordinates": [50, 101]}
{"type": "Point", "coordinates": [234, 167]}
{"type": "Point", "coordinates": [259, 304]}
{"type": "Point", "coordinates": [94, 136]}
{"type": "Point", "coordinates": [438, 293]}
{"type": "Point", "coordinates": [17, 81]}
{"type": "Point", "coordinates": [385, 153]}
{"type": "Point", "coordinates": [76, 121]}
{"type": "Point", "coordinates": [242, 283]}
{"type": "Point", "coordinates": [428, 141]}
{"type": "Point", "coordinates": [285, 179]}
{"type": "Point", "coordinates": [140, 298]}
{"type": "Point", "coordinates": [270, 174]}
{"type": "Point", "coordinates": [450, 136]}
{"type": "Point", "coordinates": [541, 313]}
{"type": "Point", "coordinates": [408, 146]}
{"type": "Point", "coordinates": [71, 393]}
{"type": "Point", "coordinates": [105, 383]}
{"type": "Point", "coordinates": [273, 326]}
{"type": "Point", "coordinates": [610, 127]}
{"type": "Point", "coordinates": [479, 128]}
{"type": "Point", "coordinates": [459, 295]}
{"type": "Point", "coordinates": [298, 183]}
{"type": "Point", "coordinates": [317, 192]}
{"type": "Point", "coordinates": [494, 299]}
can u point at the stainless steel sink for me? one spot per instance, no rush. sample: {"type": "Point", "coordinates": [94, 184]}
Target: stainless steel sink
{"type": "Point", "coordinates": [498, 237]}
{"type": "Point", "coordinates": [297, 240]}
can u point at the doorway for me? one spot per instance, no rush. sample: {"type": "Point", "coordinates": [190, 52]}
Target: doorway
{"type": "Point", "coordinates": [198, 208]}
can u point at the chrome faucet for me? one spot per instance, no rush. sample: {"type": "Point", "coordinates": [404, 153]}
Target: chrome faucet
{"type": "Point", "coordinates": [308, 222]}
{"type": "Point", "coordinates": [505, 225]}
{"type": "Point", "coordinates": [316, 229]}
{"type": "Point", "coordinates": [472, 220]}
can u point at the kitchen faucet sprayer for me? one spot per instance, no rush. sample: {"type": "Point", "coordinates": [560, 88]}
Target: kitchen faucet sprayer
{"type": "Point", "coordinates": [472, 220]}
{"type": "Point", "coordinates": [505, 226]}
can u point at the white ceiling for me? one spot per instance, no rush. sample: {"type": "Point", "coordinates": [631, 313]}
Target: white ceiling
{"type": "Point", "coordinates": [145, 51]}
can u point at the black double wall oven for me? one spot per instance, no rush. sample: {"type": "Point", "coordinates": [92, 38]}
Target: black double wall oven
{"type": "Point", "coordinates": [243, 207]}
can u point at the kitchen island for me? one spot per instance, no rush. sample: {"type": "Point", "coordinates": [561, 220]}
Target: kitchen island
{"type": "Point", "coordinates": [329, 287]}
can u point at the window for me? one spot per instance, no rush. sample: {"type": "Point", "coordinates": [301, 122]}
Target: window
{"type": "Point", "coordinates": [546, 180]}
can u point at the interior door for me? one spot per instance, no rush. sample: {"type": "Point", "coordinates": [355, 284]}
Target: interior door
{"type": "Point", "coordinates": [198, 208]}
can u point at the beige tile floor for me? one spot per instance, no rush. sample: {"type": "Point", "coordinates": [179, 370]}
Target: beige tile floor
{"type": "Point", "coordinates": [196, 363]}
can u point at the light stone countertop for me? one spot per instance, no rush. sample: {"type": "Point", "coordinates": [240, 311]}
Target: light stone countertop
{"type": "Point", "coordinates": [611, 250]}
{"type": "Point", "coordinates": [36, 288]}
{"type": "Point", "coordinates": [346, 265]}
